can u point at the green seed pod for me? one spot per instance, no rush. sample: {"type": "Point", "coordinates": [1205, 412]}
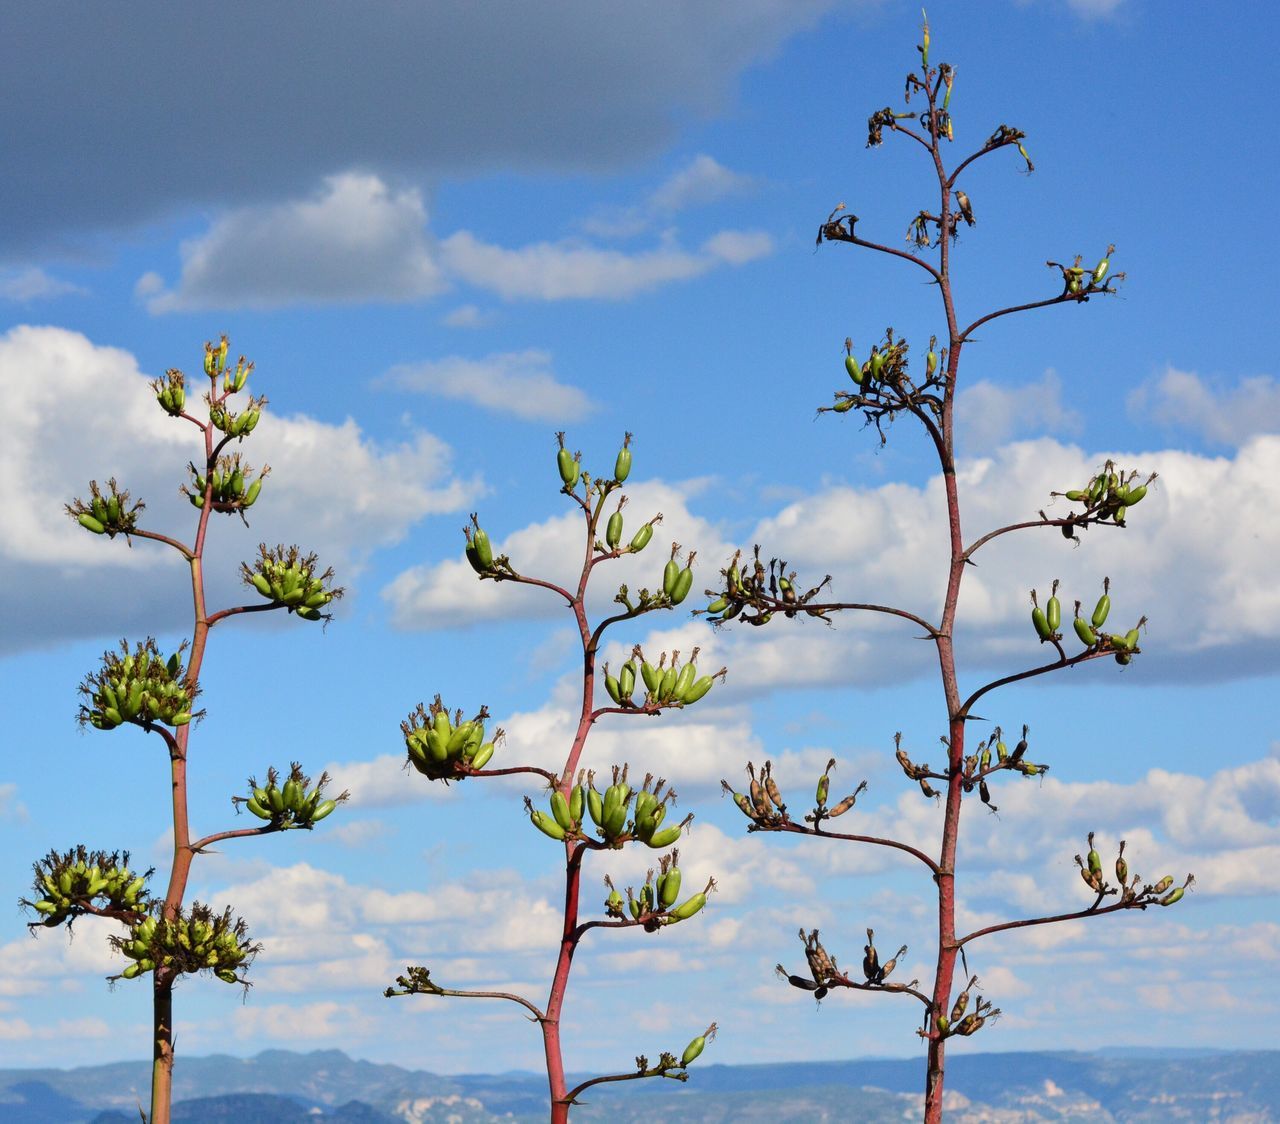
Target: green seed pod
{"type": "Point", "coordinates": [683, 584]}
{"type": "Point", "coordinates": [568, 467]}
{"type": "Point", "coordinates": [622, 466]}
{"type": "Point", "coordinates": [854, 368]}
{"type": "Point", "coordinates": [613, 531]}
{"type": "Point", "coordinates": [481, 758]}
{"type": "Point", "coordinates": [1101, 610]}
{"type": "Point", "coordinates": [670, 572]}
{"type": "Point", "coordinates": [484, 549]}
{"type": "Point", "coordinates": [1041, 623]}
{"type": "Point", "coordinates": [89, 523]}
{"type": "Point", "coordinates": [560, 809]}
{"type": "Point", "coordinates": [546, 824]}
{"type": "Point", "coordinates": [690, 907]}
{"type": "Point", "coordinates": [1053, 613]}
{"type": "Point", "coordinates": [693, 1050]}
{"type": "Point", "coordinates": [641, 538]}
{"type": "Point", "coordinates": [1087, 636]}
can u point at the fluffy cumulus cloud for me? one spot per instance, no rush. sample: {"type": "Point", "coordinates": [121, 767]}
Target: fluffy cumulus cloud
{"type": "Point", "coordinates": [1225, 415]}
{"type": "Point", "coordinates": [447, 595]}
{"type": "Point", "coordinates": [569, 269]}
{"type": "Point", "coordinates": [567, 86]}
{"type": "Point", "coordinates": [520, 383]}
{"type": "Point", "coordinates": [78, 410]}
{"type": "Point", "coordinates": [356, 240]}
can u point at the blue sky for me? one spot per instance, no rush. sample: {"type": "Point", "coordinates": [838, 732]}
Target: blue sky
{"type": "Point", "coordinates": [442, 237]}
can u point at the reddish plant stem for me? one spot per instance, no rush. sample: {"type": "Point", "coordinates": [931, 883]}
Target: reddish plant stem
{"type": "Point", "coordinates": [945, 878]}
{"type": "Point", "coordinates": [183, 853]}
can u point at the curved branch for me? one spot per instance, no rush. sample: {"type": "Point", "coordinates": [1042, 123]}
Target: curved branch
{"type": "Point", "coordinates": [856, 241]}
{"type": "Point", "coordinates": [545, 774]}
{"type": "Point", "coordinates": [236, 833]}
{"type": "Point", "coordinates": [799, 829]}
{"type": "Point", "coordinates": [155, 536]}
{"type": "Point", "coordinates": [983, 151]}
{"type": "Point", "coordinates": [221, 614]}
{"type": "Point", "coordinates": [1061, 298]}
{"type": "Point", "coordinates": [1083, 657]}
{"type": "Point", "coordinates": [1071, 521]}
{"type": "Point", "coordinates": [896, 989]}
{"type": "Point", "coordinates": [679, 1074]}
{"type": "Point", "coordinates": [414, 986]}
{"type": "Point", "coordinates": [522, 580]}
{"type": "Point", "coordinates": [776, 605]}
{"type": "Point", "coordinates": [1092, 911]}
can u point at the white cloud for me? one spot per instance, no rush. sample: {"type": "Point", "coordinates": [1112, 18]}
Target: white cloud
{"type": "Point", "coordinates": [988, 414]}
{"type": "Point", "coordinates": [704, 180]}
{"type": "Point", "coordinates": [574, 270]}
{"type": "Point", "coordinates": [77, 411]}
{"type": "Point", "coordinates": [383, 782]}
{"type": "Point", "coordinates": [32, 284]}
{"type": "Point", "coordinates": [308, 1022]}
{"type": "Point", "coordinates": [355, 240]}
{"type": "Point", "coordinates": [448, 594]}
{"type": "Point", "coordinates": [1095, 9]}
{"type": "Point", "coordinates": [1198, 568]}
{"type": "Point", "coordinates": [1225, 415]}
{"type": "Point", "coordinates": [465, 316]}
{"type": "Point", "coordinates": [520, 383]}
{"type": "Point", "coordinates": [11, 808]}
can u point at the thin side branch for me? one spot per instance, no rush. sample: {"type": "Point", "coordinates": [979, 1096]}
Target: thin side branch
{"type": "Point", "coordinates": [1065, 661]}
{"type": "Point", "coordinates": [1093, 911]}
{"type": "Point", "coordinates": [800, 829]}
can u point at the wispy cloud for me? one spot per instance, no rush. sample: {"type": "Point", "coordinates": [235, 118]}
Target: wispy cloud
{"type": "Point", "coordinates": [702, 181]}
{"type": "Point", "coordinates": [520, 383]}
{"type": "Point", "coordinates": [574, 270]}
{"type": "Point", "coordinates": [989, 414]}
{"type": "Point", "coordinates": [33, 284]}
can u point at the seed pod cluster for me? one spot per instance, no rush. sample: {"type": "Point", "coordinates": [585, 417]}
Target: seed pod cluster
{"type": "Point", "coordinates": [821, 811]}
{"type": "Point", "coordinates": [755, 592]}
{"type": "Point", "coordinates": [444, 748]}
{"type": "Point", "coordinates": [620, 814]}
{"type": "Point", "coordinates": [872, 969]}
{"type": "Point", "coordinates": [1123, 646]}
{"type": "Point", "coordinates": [665, 684]}
{"type": "Point", "coordinates": [655, 904]}
{"type": "Point", "coordinates": [139, 687]}
{"type": "Point", "coordinates": [288, 578]}
{"type": "Point", "coordinates": [231, 487]}
{"type": "Point", "coordinates": [107, 514]}
{"type": "Point", "coordinates": [1132, 891]}
{"type": "Point", "coordinates": [65, 883]}
{"type": "Point", "coordinates": [197, 941]}
{"type": "Point", "coordinates": [171, 392]}
{"type": "Point", "coordinates": [764, 807]}
{"type": "Point", "coordinates": [293, 803]}
{"type": "Point", "coordinates": [958, 1022]}
{"type": "Point", "coordinates": [1107, 495]}
{"type": "Point", "coordinates": [236, 425]}
{"type": "Point", "coordinates": [1081, 282]}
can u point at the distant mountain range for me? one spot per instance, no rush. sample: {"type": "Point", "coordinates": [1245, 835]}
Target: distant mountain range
{"type": "Point", "coordinates": [282, 1087]}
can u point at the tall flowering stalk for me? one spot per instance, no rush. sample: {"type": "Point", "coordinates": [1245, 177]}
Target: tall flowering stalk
{"type": "Point", "coordinates": [139, 686]}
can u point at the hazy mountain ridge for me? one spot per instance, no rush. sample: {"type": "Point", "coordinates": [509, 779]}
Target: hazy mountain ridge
{"type": "Point", "coordinates": [280, 1087]}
